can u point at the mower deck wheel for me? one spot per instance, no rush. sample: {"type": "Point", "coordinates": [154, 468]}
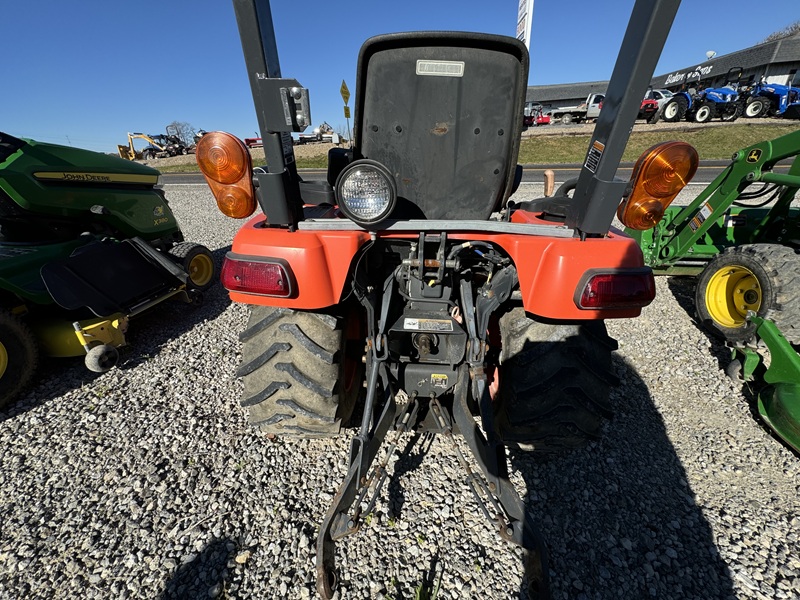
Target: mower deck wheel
{"type": "Point", "coordinates": [302, 371]}
{"type": "Point", "coordinates": [19, 356]}
{"type": "Point", "coordinates": [198, 263]}
{"type": "Point", "coordinates": [555, 382]}
{"type": "Point", "coordinates": [763, 278]}
{"type": "Point", "coordinates": [101, 358]}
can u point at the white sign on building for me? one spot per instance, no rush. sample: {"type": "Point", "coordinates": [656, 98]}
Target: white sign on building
{"type": "Point", "coordinates": [524, 20]}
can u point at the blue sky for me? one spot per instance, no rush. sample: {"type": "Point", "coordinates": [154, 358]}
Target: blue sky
{"type": "Point", "coordinates": [86, 72]}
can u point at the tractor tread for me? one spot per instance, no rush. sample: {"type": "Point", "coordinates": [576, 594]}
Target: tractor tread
{"type": "Point", "coordinates": [555, 382]}
{"type": "Point", "coordinates": [266, 393]}
{"type": "Point", "coordinates": [294, 387]}
{"type": "Point", "coordinates": [262, 359]}
{"type": "Point", "coordinates": [22, 352]}
{"type": "Point", "coordinates": [301, 410]}
{"type": "Point", "coordinates": [306, 381]}
{"type": "Point", "coordinates": [307, 342]}
{"type": "Point", "coordinates": [263, 323]}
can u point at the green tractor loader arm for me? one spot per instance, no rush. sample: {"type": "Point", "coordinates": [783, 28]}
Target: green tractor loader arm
{"type": "Point", "coordinates": [723, 215]}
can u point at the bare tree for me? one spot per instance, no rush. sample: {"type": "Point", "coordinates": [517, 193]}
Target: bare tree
{"type": "Point", "coordinates": [787, 31]}
{"type": "Point", "coordinates": [185, 131]}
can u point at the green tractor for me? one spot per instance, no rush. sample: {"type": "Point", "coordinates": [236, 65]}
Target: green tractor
{"type": "Point", "coordinates": [87, 241]}
{"type": "Point", "coordinates": [741, 238]}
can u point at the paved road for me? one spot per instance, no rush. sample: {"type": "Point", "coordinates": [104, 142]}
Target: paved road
{"type": "Point", "coordinates": [706, 173]}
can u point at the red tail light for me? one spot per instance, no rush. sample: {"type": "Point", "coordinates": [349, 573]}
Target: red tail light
{"type": "Point", "coordinates": [257, 276]}
{"type": "Point", "coordinates": [616, 289]}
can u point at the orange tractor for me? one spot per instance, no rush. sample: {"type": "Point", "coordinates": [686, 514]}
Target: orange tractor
{"type": "Point", "coordinates": [410, 284]}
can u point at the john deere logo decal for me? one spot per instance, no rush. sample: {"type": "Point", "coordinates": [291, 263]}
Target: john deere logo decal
{"type": "Point", "coordinates": [754, 156]}
{"type": "Point", "coordinates": [158, 211]}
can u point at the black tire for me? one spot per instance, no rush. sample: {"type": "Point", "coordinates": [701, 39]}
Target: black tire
{"type": "Point", "coordinates": [101, 358]}
{"type": "Point", "coordinates": [731, 112]}
{"type": "Point", "coordinates": [675, 109]}
{"type": "Point", "coordinates": [566, 119]}
{"type": "Point", "coordinates": [299, 371]}
{"type": "Point", "coordinates": [148, 155]}
{"type": "Point", "coordinates": [756, 107]}
{"type": "Point", "coordinates": [19, 357]}
{"type": "Point", "coordinates": [198, 262]}
{"type": "Point", "coordinates": [555, 382]}
{"type": "Point", "coordinates": [764, 278]}
{"type": "Point", "coordinates": [704, 113]}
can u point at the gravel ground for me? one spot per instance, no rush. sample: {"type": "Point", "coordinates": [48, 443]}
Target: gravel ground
{"type": "Point", "coordinates": [146, 482]}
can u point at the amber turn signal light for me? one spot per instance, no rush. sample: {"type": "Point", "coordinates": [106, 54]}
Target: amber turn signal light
{"type": "Point", "coordinates": [225, 163]}
{"type": "Point", "coordinates": [658, 177]}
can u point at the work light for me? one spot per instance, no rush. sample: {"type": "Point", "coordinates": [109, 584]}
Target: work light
{"type": "Point", "coordinates": [366, 192]}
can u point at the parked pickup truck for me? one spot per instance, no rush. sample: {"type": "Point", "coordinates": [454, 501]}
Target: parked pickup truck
{"type": "Point", "coordinates": [587, 110]}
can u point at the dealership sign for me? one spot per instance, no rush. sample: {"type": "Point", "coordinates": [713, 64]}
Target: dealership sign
{"type": "Point", "coordinates": [693, 74]}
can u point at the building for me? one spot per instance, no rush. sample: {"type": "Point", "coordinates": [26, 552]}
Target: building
{"type": "Point", "coordinates": [778, 61]}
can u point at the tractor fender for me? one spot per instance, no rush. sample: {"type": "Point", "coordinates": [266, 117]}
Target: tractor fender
{"type": "Point", "coordinates": [550, 269]}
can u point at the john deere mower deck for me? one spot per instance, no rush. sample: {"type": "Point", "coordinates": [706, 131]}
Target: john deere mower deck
{"type": "Point", "coordinates": [87, 241]}
{"type": "Point", "coordinates": [410, 270]}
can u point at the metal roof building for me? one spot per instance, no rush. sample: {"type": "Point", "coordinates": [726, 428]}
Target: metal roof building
{"type": "Point", "coordinates": [778, 61]}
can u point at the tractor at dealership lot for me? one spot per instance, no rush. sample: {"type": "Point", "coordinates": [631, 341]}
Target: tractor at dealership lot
{"type": "Point", "coordinates": [408, 282]}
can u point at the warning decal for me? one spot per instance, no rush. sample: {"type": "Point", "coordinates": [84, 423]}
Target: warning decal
{"type": "Point", "coordinates": [438, 380]}
{"type": "Point", "coordinates": [701, 216]}
{"type": "Point", "coordinates": [428, 324]}
{"type": "Point", "coordinates": [594, 156]}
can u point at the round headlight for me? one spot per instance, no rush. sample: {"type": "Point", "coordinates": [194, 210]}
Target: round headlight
{"type": "Point", "coordinates": [366, 192]}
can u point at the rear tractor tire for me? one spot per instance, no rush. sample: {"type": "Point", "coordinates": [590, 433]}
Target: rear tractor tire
{"type": "Point", "coordinates": [555, 383]}
{"type": "Point", "coordinates": [19, 356]}
{"type": "Point", "coordinates": [198, 262]}
{"type": "Point", "coordinates": [731, 112]}
{"type": "Point", "coordinates": [704, 113]}
{"type": "Point", "coordinates": [756, 107]}
{"type": "Point", "coordinates": [302, 371]}
{"type": "Point", "coordinates": [763, 278]}
{"type": "Point", "coordinates": [675, 109]}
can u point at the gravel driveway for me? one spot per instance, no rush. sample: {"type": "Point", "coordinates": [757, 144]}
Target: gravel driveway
{"type": "Point", "coordinates": [146, 482]}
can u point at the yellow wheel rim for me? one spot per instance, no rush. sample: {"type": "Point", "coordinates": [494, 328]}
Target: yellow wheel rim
{"type": "Point", "coordinates": [201, 270]}
{"type": "Point", "coordinates": [3, 360]}
{"type": "Point", "coordinates": [731, 292]}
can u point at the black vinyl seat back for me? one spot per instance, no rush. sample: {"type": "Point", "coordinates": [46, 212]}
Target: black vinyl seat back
{"type": "Point", "coordinates": [443, 112]}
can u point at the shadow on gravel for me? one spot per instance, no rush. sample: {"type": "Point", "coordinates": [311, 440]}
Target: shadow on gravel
{"type": "Point", "coordinates": [148, 332]}
{"type": "Point", "coordinates": [683, 289]}
{"type": "Point", "coordinates": [406, 463]}
{"type": "Point", "coordinates": [203, 577]}
{"type": "Point", "coordinates": [618, 516]}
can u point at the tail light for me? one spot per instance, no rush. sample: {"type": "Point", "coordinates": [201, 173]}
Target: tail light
{"type": "Point", "coordinates": [225, 163]}
{"type": "Point", "coordinates": [658, 177]}
{"type": "Point", "coordinates": [265, 277]}
{"type": "Point", "coordinates": [629, 288]}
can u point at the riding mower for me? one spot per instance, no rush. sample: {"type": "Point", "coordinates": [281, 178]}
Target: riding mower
{"type": "Point", "coordinates": [410, 275]}
{"type": "Point", "coordinates": [87, 241]}
{"type": "Point", "coordinates": [741, 237]}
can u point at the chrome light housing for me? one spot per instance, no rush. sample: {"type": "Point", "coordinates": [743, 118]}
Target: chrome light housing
{"type": "Point", "coordinates": [366, 192]}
